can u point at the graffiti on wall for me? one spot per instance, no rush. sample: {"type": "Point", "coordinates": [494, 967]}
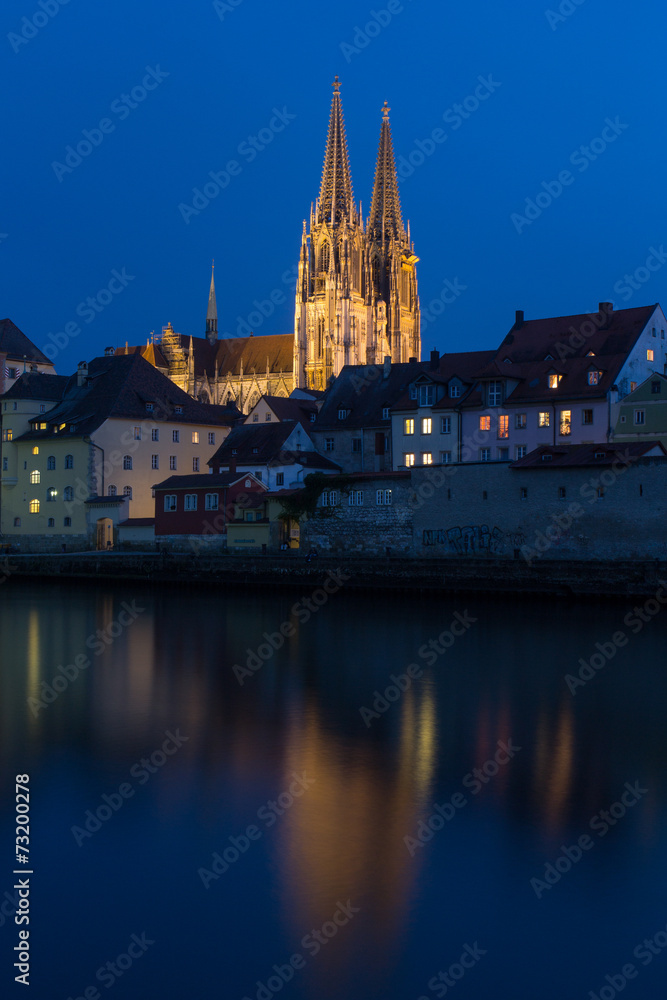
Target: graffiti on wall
{"type": "Point", "coordinates": [473, 538]}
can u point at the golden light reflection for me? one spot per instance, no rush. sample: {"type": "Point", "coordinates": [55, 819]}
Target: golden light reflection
{"type": "Point", "coordinates": [554, 768]}
{"type": "Point", "coordinates": [33, 658]}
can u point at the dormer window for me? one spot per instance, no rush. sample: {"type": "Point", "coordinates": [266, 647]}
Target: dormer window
{"type": "Point", "coordinates": [594, 377]}
{"type": "Point", "coordinates": [549, 357]}
{"type": "Point", "coordinates": [426, 393]}
{"type": "Point", "coordinates": [255, 451]}
{"type": "Point", "coordinates": [149, 407]}
{"type": "Point", "coordinates": [178, 409]}
{"type": "Point", "coordinates": [554, 381]}
{"type": "Point", "coordinates": [507, 361]}
{"type": "Point", "coordinates": [385, 413]}
{"type": "Point", "coordinates": [495, 393]}
{"type": "Point", "coordinates": [313, 417]}
{"type": "Point", "coordinates": [342, 414]}
{"type": "Point", "coordinates": [454, 390]}
{"type": "Point", "coordinates": [591, 354]}
{"type": "Point", "coordinates": [547, 457]}
{"type": "Point", "coordinates": [599, 454]}
{"type": "Point", "coordinates": [234, 450]}
{"type": "Point", "coordinates": [413, 392]}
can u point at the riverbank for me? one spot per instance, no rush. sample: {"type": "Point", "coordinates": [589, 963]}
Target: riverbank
{"type": "Point", "coordinates": [562, 578]}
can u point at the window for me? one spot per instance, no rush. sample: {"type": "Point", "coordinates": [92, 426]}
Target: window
{"type": "Point", "coordinates": [137, 433]}
{"type": "Point", "coordinates": [155, 434]}
{"type": "Point", "coordinates": [127, 492]}
{"type": "Point", "coordinates": [35, 477]}
{"type": "Point", "coordinates": [385, 413]}
{"type": "Point", "coordinates": [172, 463]}
{"type": "Point", "coordinates": [599, 455]}
{"type": "Point", "coordinates": [383, 498]}
{"type": "Point", "coordinates": [35, 451]}
{"type": "Point", "coordinates": [426, 395]}
{"type": "Point", "coordinates": [42, 407]}
{"type": "Point", "coordinates": [653, 333]}
{"type": "Point", "coordinates": [195, 437]}
{"type": "Point", "coordinates": [211, 501]}
{"type": "Point", "coordinates": [112, 491]}
{"type": "Point", "coordinates": [426, 425]}
{"type": "Point", "coordinates": [485, 495]}
{"type": "Point", "coordinates": [523, 493]}
{"type": "Point", "coordinates": [170, 502]}
{"type": "Point", "coordinates": [255, 418]}
{"type": "Point", "coordinates": [7, 433]}
{"type": "Point", "coordinates": [633, 386]}
{"type": "Point", "coordinates": [149, 407]}
{"type": "Point", "coordinates": [599, 492]}
{"type": "Point", "coordinates": [175, 436]}
{"type": "Point", "coordinates": [51, 494]}
{"type": "Point", "coordinates": [485, 423]}
{"type": "Point", "coordinates": [5, 464]}
{"type": "Point", "coordinates": [255, 451]}
{"type": "Point", "coordinates": [356, 444]}
{"type": "Point", "coordinates": [565, 422]}
{"type": "Point", "coordinates": [69, 461]}
{"type": "Point", "coordinates": [211, 437]}
{"type": "Point", "coordinates": [562, 493]}
{"type": "Point", "coordinates": [587, 417]}
{"type": "Point", "coordinates": [543, 418]}
{"type": "Point", "coordinates": [127, 461]}
{"type": "Point", "coordinates": [258, 474]}
{"type": "Point", "coordinates": [593, 378]}
{"type": "Point", "coordinates": [445, 425]}
{"type": "Point", "coordinates": [520, 421]}
{"type": "Point", "coordinates": [67, 522]}
{"type": "Point", "coordinates": [280, 478]}
{"type": "Point", "coordinates": [342, 414]}
{"type": "Point", "coordinates": [503, 454]}
{"type": "Point", "coordinates": [640, 418]}
{"type": "Point", "coordinates": [413, 392]}
{"type": "Point", "coordinates": [328, 444]}
{"type": "Point", "coordinates": [178, 409]}
{"type": "Point", "coordinates": [547, 457]}
{"type": "Point", "coordinates": [155, 461]}
{"type": "Point", "coordinates": [485, 454]}
{"type": "Point", "coordinates": [267, 418]}
{"type": "Point", "coordinates": [329, 498]}
{"type": "Point", "coordinates": [408, 426]}
{"type": "Point", "coordinates": [503, 425]}
{"type": "Point", "coordinates": [51, 463]}
{"type": "Point", "coordinates": [554, 380]}
{"type": "Point", "coordinates": [51, 523]}
{"type": "Point", "coordinates": [34, 506]}
{"type": "Point", "coordinates": [495, 393]}
{"type": "Point", "coordinates": [17, 522]}
{"type": "Point", "coordinates": [655, 388]}
{"type": "Point", "coordinates": [649, 355]}
{"type": "Point", "coordinates": [454, 390]}
{"type": "Point", "coordinates": [427, 458]}
{"type": "Point", "coordinates": [445, 457]}
{"type": "Point", "coordinates": [408, 459]}
{"type": "Point", "coordinates": [356, 498]}
{"type": "Point", "coordinates": [195, 465]}
{"type": "Point", "coordinates": [190, 501]}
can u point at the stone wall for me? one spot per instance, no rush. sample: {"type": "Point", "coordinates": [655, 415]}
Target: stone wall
{"type": "Point", "coordinates": [369, 529]}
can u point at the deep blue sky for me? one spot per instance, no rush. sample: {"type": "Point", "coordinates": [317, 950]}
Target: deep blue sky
{"type": "Point", "coordinates": [227, 71]}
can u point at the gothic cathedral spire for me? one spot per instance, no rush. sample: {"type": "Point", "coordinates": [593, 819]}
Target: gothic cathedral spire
{"type": "Point", "coordinates": [336, 201]}
{"type": "Point", "coordinates": [212, 312]}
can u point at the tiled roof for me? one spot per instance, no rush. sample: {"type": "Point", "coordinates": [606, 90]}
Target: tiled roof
{"type": "Point", "coordinates": [151, 352]}
{"type": "Point", "coordinates": [286, 408]}
{"type": "Point", "coordinates": [364, 392]}
{"type": "Point", "coordinates": [202, 481]}
{"type": "Point", "coordinates": [589, 454]}
{"type": "Point", "coordinates": [463, 365]}
{"type": "Point", "coordinates": [269, 441]}
{"type": "Point", "coordinates": [38, 385]}
{"type": "Point", "coordinates": [17, 346]}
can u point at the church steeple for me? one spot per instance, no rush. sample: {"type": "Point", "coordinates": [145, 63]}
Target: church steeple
{"type": "Point", "coordinates": [336, 201]}
{"type": "Point", "coordinates": [212, 312]}
{"type": "Point", "coordinates": [385, 221]}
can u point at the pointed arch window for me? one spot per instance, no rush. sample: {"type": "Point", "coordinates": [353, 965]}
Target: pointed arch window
{"type": "Point", "coordinates": [325, 257]}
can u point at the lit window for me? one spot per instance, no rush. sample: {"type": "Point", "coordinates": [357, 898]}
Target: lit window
{"type": "Point", "coordinates": [112, 491]}
{"type": "Point", "coordinates": [587, 416]}
{"type": "Point", "coordinates": [426, 395]}
{"type": "Point", "coordinates": [170, 502]}
{"type": "Point", "coordinates": [69, 461]}
{"type": "Point", "coordinates": [7, 436]}
{"type": "Point", "coordinates": [195, 437]}
{"type": "Point", "coordinates": [127, 492]}
{"type": "Point", "coordinates": [523, 493]}
{"type": "Point", "coordinates": [495, 393]}
{"type": "Point", "coordinates": [155, 434]}
{"type": "Point", "coordinates": [640, 416]}
{"type": "Point", "coordinates": [408, 459]}
{"type": "Point", "coordinates": [34, 506]}
{"type": "Point", "coordinates": [51, 494]}
{"type": "Point", "coordinates": [520, 421]}
{"type": "Point", "coordinates": [356, 498]}
{"type": "Point", "coordinates": [485, 423]}
{"type": "Point", "coordinates": [35, 450]}
{"type": "Point", "coordinates": [445, 457]}
{"type": "Point", "coordinates": [190, 501]}
{"type": "Point", "coordinates": [485, 454]}
{"type": "Point", "coordinates": [211, 437]}
{"type": "Point", "coordinates": [211, 501]}
{"type": "Point", "coordinates": [593, 378]}
{"type": "Point", "coordinates": [155, 461]}
{"type": "Point", "coordinates": [427, 458]}
{"type": "Point", "coordinates": [520, 451]}
{"type": "Point", "coordinates": [566, 422]}
{"type": "Point", "coordinates": [408, 426]}
{"type": "Point", "coordinates": [633, 386]}
{"type": "Point", "coordinates": [445, 425]}
{"type": "Point", "coordinates": [649, 355]}
{"type": "Point", "coordinates": [175, 436]}
{"type": "Point", "coordinates": [137, 433]}
{"type": "Point", "coordinates": [328, 444]}
{"type": "Point", "coordinates": [127, 461]}
{"type": "Point", "coordinates": [35, 477]}
{"type": "Point", "coordinates": [454, 390]}
{"type": "Point", "coordinates": [383, 498]}
{"type": "Point", "coordinates": [543, 418]}
{"type": "Point", "coordinates": [426, 425]}
{"type": "Point", "coordinates": [67, 522]}
{"type": "Point", "coordinates": [172, 463]}
{"type": "Point", "coordinates": [554, 380]}
{"type": "Point", "coordinates": [503, 425]}
{"type": "Point", "coordinates": [51, 463]}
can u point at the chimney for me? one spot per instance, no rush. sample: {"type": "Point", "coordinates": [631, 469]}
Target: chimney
{"type": "Point", "coordinates": [518, 322]}
{"type": "Point", "coordinates": [386, 367]}
{"type": "Point", "coordinates": [108, 352]}
{"type": "Point", "coordinates": [435, 360]}
{"type": "Point", "coordinates": [606, 308]}
{"type": "Point", "coordinates": [412, 361]}
{"type": "Point", "coordinates": [82, 373]}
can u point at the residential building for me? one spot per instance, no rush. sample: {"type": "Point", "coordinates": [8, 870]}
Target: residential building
{"type": "Point", "coordinates": [19, 355]}
{"type": "Point", "coordinates": [279, 454]}
{"type": "Point", "coordinates": [642, 414]}
{"type": "Point", "coordinates": [202, 504]}
{"type": "Point", "coordinates": [273, 409]}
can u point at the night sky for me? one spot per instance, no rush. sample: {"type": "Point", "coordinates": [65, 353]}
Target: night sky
{"type": "Point", "coordinates": [224, 72]}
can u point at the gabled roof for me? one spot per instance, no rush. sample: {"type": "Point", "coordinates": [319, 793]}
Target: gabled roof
{"type": "Point", "coordinates": [364, 392]}
{"type": "Point", "coordinates": [462, 366]}
{"type": "Point", "coordinates": [270, 442]}
{"type": "Point", "coordinates": [16, 345]}
{"type": "Point", "coordinates": [622, 454]}
{"type": "Point", "coordinates": [202, 481]}
{"type": "Point", "coordinates": [286, 408]}
{"type": "Point", "coordinates": [151, 352]}
{"type": "Point", "coordinates": [38, 385]}
{"type": "Point", "coordinates": [533, 386]}
{"type": "Point", "coordinates": [643, 392]}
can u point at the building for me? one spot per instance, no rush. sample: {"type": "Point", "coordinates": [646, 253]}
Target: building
{"type": "Point", "coordinates": [273, 409]}
{"type": "Point", "coordinates": [202, 505]}
{"type": "Point", "coordinates": [356, 296]}
{"type": "Point", "coordinates": [19, 355]}
{"type": "Point", "coordinates": [91, 459]}
{"type": "Point", "coordinates": [642, 414]}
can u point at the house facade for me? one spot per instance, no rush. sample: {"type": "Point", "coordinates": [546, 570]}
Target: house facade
{"type": "Point", "coordinates": [203, 504]}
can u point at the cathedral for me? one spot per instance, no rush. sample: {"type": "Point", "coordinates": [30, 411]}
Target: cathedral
{"type": "Point", "coordinates": [356, 295]}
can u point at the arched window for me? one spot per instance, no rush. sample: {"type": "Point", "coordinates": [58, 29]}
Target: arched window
{"type": "Point", "coordinates": [34, 506]}
{"type": "Point", "coordinates": [51, 463]}
{"type": "Point", "coordinates": [35, 450]}
{"type": "Point", "coordinates": [325, 257]}
{"type": "Point", "coordinates": [112, 491]}
{"type": "Point", "coordinates": [127, 461]}
{"type": "Point", "coordinates": [35, 476]}
{"type": "Point", "coordinates": [68, 493]}
{"type": "Point", "coordinates": [69, 461]}
{"type": "Point", "coordinates": [51, 494]}
{"type": "Point", "coordinates": [127, 492]}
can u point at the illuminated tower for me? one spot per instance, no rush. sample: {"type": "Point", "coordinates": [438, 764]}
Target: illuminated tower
{"type": "Point", "coordinates": [212, 312]}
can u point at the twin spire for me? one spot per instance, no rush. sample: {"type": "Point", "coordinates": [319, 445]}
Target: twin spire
{"type": "Point", "coordinates": [212, 312]}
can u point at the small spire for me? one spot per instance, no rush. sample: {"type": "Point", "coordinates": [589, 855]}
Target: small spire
{"type": "Point", "coordinates": [212, 311]}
